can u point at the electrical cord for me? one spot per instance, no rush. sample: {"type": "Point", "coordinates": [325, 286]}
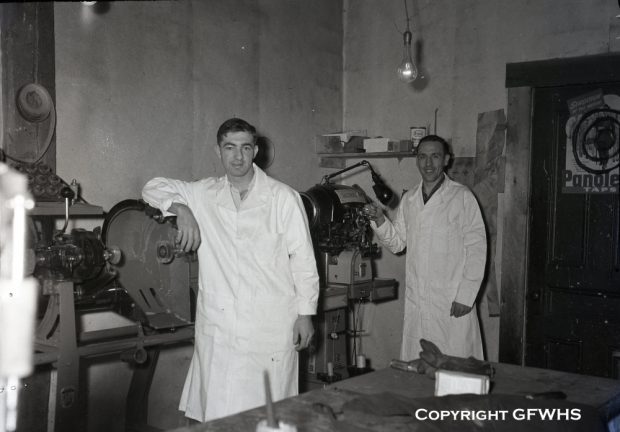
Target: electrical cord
{"type": "Point", "coordinates": [355, 333]}
{"type": "Point", "coordinates": [358, 324]}
{"type": "Point", "coordinates": [334, 336]}
{"type": "Point", "coordinates": [356, 317]}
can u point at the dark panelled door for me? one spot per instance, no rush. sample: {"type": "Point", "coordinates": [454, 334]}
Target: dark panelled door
{"type": "Point", "coordinates": [573, 292]}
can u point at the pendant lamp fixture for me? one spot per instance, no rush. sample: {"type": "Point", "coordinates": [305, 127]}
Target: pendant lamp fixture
{"type": "Point", "coordinates": [407, 70]}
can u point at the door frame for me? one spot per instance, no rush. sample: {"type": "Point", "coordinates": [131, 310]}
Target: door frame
{"type": "Point", "coordinates": [522, 79]}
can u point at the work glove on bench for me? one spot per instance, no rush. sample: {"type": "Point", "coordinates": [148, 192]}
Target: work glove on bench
{"type": "Point", "coordinates": [431, 359]}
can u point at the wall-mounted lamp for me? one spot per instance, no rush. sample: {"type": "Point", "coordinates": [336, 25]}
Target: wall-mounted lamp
{"type": "Point", "coordinates": [407, 70]}
{"type": "Point", "coordinates": [382, 191]}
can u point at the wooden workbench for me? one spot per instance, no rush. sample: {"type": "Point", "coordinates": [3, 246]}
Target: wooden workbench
{"type": "Point", "coordinates": [600, 393]}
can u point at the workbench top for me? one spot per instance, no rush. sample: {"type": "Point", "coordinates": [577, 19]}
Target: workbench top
{"type": "Point", "coordinates": [600, 393]}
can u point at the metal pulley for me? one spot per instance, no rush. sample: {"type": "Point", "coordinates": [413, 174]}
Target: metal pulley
{"type": "Point", "coordinates": [161, 279]}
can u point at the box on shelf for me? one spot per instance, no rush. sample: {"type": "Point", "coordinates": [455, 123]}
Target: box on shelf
{"type": "Point", "coordinates": [341, 142]}
{"type": "Point", "coordinates": [400, 146]}
{"type": "Point", "coordinates": [417, 133]}
{"type": "Point", "coordinates": [377, 144]}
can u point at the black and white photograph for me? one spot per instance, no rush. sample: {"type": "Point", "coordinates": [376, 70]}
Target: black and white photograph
{"type": "Point", "coordinates": [310, 216]}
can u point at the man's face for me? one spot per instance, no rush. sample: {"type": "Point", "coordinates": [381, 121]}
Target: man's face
{"type": "Point", "coordinates": [431, 160]}
{"type": "Point", "coordinates": [237, 151]}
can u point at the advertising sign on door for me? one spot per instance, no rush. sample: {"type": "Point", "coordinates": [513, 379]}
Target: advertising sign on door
{"type": "Point", "coordinates": [592, 144]}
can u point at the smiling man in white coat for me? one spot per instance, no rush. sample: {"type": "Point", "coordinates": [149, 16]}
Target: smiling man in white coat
{"type": "Point", "coordinates": [258, 279]}
{"type": "Point", "coordinates": [440, 225]}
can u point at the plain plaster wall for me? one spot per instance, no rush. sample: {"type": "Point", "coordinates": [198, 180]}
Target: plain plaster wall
{"type": "Point", "coordinates": [465, 45]}
{"type": "Point", "coordinates": [141, 90]}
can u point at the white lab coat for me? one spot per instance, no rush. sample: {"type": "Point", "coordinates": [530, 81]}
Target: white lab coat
{"type": "Point", "coordinates": [445, 261]}
{"type": "Point", "coordinates": [257, 273]}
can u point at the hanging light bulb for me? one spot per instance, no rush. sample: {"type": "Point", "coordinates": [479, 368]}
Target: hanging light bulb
{"type": "Point", "coordinates": [407, 71]}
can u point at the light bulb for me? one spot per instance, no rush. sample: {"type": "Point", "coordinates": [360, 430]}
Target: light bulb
{"type": "Point", "coordinates": [407, 71]}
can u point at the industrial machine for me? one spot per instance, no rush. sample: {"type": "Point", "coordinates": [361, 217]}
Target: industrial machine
{"type": "Point", "coordinates": [130, 266]}
{"type": "Point", "coordinates": [161, 279]}
{"type": "Point", "coordinates": [342, 239]}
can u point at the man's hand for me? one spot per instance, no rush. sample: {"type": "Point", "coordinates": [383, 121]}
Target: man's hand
{"type": "Point", "coordinates": [374, 213]}
{"type": "Point", "coordinates": [188, 237]}
{"type": "Point", "coordinates": [459, 309]}
{"type": "Point", "coordinates": [303, 330]}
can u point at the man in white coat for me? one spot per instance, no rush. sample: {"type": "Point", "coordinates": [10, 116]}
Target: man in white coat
{"type": "Point", "coordinates": [258, 282]}
{"type": "Point", "coordinates": [440, 225]}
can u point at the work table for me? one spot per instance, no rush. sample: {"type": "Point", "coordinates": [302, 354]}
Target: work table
{"type": "Point", "coordinates": [600, 393]}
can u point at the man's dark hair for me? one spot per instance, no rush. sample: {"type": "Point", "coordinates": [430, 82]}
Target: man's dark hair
{"type": "Point", "coordinates": [436, 138]}
{"type": "Point", "coordinates": [235, 125]}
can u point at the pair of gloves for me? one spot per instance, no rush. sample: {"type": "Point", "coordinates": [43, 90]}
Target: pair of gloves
{"type": "Point", "coordinates": [431, 359]}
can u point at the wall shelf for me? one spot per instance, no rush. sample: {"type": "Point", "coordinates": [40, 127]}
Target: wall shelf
{"type": "Point", "coordinates": [367, 155]}
{"type": "Point", "coordinates": [57, 208]}
{"type": "Point", "coordinates": [338, 160]}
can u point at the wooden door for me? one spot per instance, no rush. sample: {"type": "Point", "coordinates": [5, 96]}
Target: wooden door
{"type": "Point", "coordinates": [573, 290]}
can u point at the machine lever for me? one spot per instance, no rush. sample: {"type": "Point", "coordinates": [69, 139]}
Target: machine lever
{"type": "Point", "coordinates": [68, 195]}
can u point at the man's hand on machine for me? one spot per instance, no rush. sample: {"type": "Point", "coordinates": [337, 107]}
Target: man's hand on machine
{"type": "Point", "coordinates": [188, 236]}
{"type": "Point", "coordinates": [303, 330]}
{"type": "Point", "coordinates": [374, 213]}
{"type": "Point", "coordinates": [458, 309]}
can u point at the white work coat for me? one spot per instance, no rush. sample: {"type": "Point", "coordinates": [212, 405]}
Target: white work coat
{"type": "Point", "coordinates": [445, 260]}
{"type": "Point", "coordinates": [257, 274]}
